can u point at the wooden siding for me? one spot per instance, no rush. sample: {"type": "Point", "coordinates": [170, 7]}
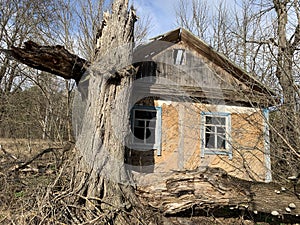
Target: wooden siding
{"type": "Point", "coordinates": [198, 77]}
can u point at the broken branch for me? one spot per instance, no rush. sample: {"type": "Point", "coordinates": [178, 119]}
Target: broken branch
{"type": "Point", "coordinates": [67, 147]}
{"type": "Point", "coordinates": [53, 59]}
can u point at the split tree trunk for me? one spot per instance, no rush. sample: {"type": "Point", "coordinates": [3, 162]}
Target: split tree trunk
{"type": "Point", "coordinates": [101, 178]}
{"type": "Point", "coordinates": [101, 182]}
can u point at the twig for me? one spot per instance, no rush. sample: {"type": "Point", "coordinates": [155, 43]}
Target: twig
{"type": "Point", "coordinates": [22, 166]}
{"type": "Point", "coordinates": [68, 146]}
{"type": "Point", "coordinates": [7, 153]}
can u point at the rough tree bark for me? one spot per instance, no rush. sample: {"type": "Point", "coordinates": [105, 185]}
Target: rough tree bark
{"type": "Point", "coordinates": [212, 191]}
{"type": "Point", "coordinates": [100, 179]}
{"type": "Point", "coordinates": [100, 169]}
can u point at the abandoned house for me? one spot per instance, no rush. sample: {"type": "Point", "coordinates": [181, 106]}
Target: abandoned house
{"type": "Point", "coordinates": [192, 107]}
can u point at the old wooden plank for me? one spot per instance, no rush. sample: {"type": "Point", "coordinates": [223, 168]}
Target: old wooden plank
{"type": "Point", "coordinates": [206, 93]}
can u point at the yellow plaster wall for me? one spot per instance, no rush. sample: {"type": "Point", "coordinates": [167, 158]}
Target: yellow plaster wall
{"type": "Point", "coordinates": [181, 119]}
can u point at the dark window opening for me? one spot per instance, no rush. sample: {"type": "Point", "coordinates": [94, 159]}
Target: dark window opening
{"type": "Point", "coordinates": [146, 69]}
{"type": "Point", "coordinates": [179, 56]}
{"type": "Point", "coordinates": [144, 126]}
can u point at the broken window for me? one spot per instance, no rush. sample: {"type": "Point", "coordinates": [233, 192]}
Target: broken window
{"type": "Point", "coordinates": [215, 134]}
{"type": "Point", "coordinates": [179, 56]}
{"type": "Point", "coordinates": [146, 128]}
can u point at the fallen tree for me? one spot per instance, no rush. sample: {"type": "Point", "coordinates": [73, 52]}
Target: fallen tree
{"type": "Point", "coordinates": [188, 193]}
{"type": "Point", "coordinates": [212, 191]}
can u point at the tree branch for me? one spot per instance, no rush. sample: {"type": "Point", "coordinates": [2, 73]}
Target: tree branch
{"type": "Point", "coordinates": [53, 59]}
{"type": "Point", "coordinates": [296, 34]}
{"type": "Point", "coordinates": [65, 148]}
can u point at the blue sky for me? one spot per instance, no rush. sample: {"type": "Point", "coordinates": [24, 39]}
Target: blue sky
{"type": "Point", "coordinates": [161, 12]}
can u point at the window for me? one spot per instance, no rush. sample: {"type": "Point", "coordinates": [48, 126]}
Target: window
{"type": "Point", "coordinates": [215, 134]}
{"type": "Point", "coordinates": [146, 128]}
{"type": "Point", "coordinates": [179, 56]}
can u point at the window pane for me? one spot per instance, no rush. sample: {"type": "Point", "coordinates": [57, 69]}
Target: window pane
{"type": "Point", "coordinates": [179, 55]}
{"type": "Point", "coordinates": [147, 123]}
{"type": "Point", "coordinates": [151, 115]}
{"type": "Point", "coordinates": [221, 130]}
{"type": "Point", "coordinates": [147, 133]}
{"type": "Point", "coordinates": [218, 121]}
{"type": "Point", "coordinates": [151, 124]}
{"type": "Point", "coordinates": [139, 114]}
{"type": "Point", "coordinates": [209, 140]}
{"type": "Point", "coordinates": [210, 129]}
{"type": "Point", "coordinates": [208, 120]}
{"type": "Point", "coordinates": [139, 133]}
{"type": "Point", "coordinates": [139, 123]}
{"type": "Point", "coordinates": [221, 142]}
{"type": "Point", "coordinates": [222, 121]}
{"type": "Point", "coordinates": [150, 136]}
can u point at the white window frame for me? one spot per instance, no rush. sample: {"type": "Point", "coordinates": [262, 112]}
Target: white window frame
{"type": "Point", "coordinates": [135, 142]}
{"type": "Point", "coordinates": [216, 151]}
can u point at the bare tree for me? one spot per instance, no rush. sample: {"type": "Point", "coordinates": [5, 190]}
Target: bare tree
{"type": "Point", "coordinates": [194, 17]}
{"type": "Point", "coordinates": [287, 42]}
{"type": "Point", "coordinates": [19, 21]}
{"type": "Point", "coordinates": [142, 28]}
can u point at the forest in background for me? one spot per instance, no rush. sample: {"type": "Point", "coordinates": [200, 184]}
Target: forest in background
{"type": "Point", "coordinates": [34, 104]}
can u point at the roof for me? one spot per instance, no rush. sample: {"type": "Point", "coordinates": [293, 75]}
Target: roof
{"type": "Point", "coordinates": [181, 34]}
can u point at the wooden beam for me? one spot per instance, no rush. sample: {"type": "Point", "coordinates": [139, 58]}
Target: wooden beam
{"type": "Point", "coordinates": [205, 93]}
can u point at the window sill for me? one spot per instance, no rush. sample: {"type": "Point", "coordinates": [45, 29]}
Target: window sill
{"type": "Point", "coordinates": [217, 152]}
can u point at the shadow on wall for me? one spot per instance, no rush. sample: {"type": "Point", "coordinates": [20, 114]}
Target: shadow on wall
{"type": "Point", "coordinates": [140, 161]}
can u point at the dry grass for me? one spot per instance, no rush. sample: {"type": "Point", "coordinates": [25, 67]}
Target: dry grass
{"type": "Point", "coordinates": [22, 191]}
{"type": "Point", "coordinates": [29, 196]}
